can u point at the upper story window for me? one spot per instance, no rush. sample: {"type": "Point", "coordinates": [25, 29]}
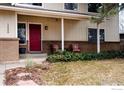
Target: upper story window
{"type": "Point", "coordinates": [37, 4]}
{"type": "Point", "coordinates": [71, 6]}
{"type": "Point", "coordinates": [92, 7]}
{"type": "Point", "coordinates": [34, 5]}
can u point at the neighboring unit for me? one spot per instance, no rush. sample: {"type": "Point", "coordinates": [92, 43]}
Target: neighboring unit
{"type": "Point", "coordinates": [34, 27]}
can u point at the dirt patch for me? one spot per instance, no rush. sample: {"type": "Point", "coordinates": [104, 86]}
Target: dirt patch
{"type": "Point", "coordinates": [12, 76]}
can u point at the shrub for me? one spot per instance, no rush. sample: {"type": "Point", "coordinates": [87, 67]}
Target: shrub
{"type": "Point", "coordinates": [67, 56]}
{"type": "Point", "coordinates": [29, 63]}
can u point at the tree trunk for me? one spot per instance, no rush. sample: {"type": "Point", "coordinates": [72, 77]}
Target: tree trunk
{"type": "Point", "coordinates": [98, 39]}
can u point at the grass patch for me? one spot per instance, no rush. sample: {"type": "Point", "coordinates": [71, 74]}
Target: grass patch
{"type": "Point", "coordinates": [102, 72]}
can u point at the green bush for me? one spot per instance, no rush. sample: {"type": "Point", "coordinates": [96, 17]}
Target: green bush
{"type": "Point", "coordinates": [67, 56]}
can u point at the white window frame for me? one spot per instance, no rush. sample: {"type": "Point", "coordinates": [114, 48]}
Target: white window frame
{"type": "Point", "coordinates": [27, 5]}
{"type": "Point", "coordinates": [96, 32]}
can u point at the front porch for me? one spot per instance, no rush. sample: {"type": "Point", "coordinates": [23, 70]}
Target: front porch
{"type": "Point", "coordinates": [37, 34]}
{"type": "Point", "coordinates": [54, 28]}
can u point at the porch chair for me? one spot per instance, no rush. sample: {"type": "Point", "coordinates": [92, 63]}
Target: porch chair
{"type": "Point", "coordinates": [54, 48]}
{"type": "Point", "coordinates": [76, 48]}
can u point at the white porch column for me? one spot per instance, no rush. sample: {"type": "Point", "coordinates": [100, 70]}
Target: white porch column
{"type": "Point", "coordinates": [62, 33]}
{"type": "Point", "coordinates": [98, 39]}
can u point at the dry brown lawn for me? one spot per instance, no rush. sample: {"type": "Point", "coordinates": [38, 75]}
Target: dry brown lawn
{"type": "Point", "coordinates": [103, 72]}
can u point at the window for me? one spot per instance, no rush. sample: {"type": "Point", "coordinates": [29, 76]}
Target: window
{"type": "Point", "coordinates": [92, 35]}
{"type": "Point", "coordinates": [71, 6]}
{"type": "Point", "coordinates": [22, 33]}
{"type": "Point", "coordinates": [92, 7]}
{"type": "Point", "coordinates": [37, 4]}
{"type": "Point", "coordinates": [34, 5]}
{"type": "Point", "coordinates": [121, 36]}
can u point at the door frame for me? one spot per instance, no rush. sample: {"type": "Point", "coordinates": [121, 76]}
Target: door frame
{"type": "Point", "coordinates": [29, 35]}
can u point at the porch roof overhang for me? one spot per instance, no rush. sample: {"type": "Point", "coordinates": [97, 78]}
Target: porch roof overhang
{"type": "Point", "coordinates": [45, 13]}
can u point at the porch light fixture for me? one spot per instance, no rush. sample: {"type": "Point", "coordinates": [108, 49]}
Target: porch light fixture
{"type": "Point", "coordinates": [46, 27]}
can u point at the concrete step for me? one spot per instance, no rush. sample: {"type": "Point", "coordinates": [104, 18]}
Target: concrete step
{"type": "Point", "coordinates": [44, 55]}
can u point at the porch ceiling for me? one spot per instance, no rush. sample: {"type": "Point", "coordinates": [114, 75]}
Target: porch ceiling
{"type": "Point", "coordinates": [46, 13]}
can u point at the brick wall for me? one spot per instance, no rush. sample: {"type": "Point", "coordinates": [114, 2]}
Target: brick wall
{"type": "Point", "coordinates": [122, 44]}
{"type": "Point", "coordinates": [9, 49]}
{"type": "Point", "coordinates": [84, 46]}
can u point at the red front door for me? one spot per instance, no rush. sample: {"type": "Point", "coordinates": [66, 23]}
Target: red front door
{"type": "Point", "coordinates": [35, 37]}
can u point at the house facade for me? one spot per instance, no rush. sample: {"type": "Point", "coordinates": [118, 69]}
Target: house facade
{"type": "Point", "coordinates": [36, 26]}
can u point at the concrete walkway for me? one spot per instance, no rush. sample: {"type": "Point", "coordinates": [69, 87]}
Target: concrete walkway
{"type": "Point", "coordinates": [13, 64]}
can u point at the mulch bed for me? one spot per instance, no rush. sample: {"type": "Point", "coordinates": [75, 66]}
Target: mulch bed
{"type": "Point", "coordinates": [11, 75]}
